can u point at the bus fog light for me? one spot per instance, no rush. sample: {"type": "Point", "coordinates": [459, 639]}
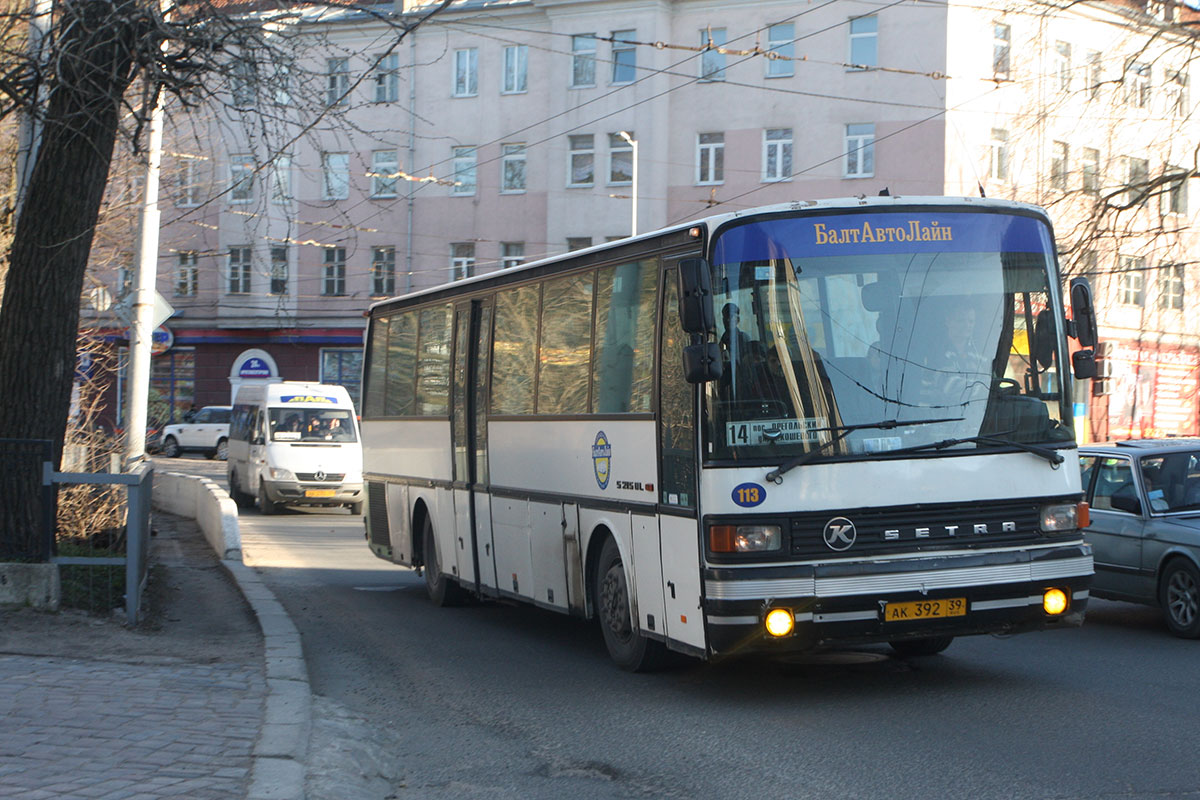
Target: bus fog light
{"type": "Point", "coordinates": [744, 538]}
{"type": "Point", "coordinates": [780, 621]}
{"type": "Point", "coordinates": [1054, 601]}
{"type": "Point", "coordinates": [1060, 517]}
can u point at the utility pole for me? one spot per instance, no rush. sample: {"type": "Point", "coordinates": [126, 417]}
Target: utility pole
{"type": "Point", "coordinates": [29, 133]}
{"type": "Point", "coordinates": [141, 329]}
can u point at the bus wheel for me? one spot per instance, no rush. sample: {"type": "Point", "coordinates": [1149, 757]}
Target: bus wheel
{"type": "Point", "coordinates": [240, 498]}
{"type": "Point", "coordinates": [443, 591]}
{"type": "Point", "coordinates": [626, 646]}
{"type": "Point", "coordinates": [921, 647]}
{"type": "Point", "coordinates": [266, 505]}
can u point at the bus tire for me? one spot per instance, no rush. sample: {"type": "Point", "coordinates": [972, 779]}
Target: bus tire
{"type": "Point", "coordinates": [239, 498]}
{"type": "Point", "coordinates": [356, 508]}
{"type": "Point", "coordinates": [442, 589]}
{"type": "Point", "coordinates": [626, 646]}
{"type": "Point", "coordinates": [266, 505]}
{"type": "Point", "coordinates": [921, 647]}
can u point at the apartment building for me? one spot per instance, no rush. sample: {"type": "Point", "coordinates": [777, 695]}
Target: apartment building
{"type": "Point", "coordinates": [355, 162]}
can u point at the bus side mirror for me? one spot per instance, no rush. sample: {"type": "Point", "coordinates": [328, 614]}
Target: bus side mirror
{"type": "Point", "coordinates": [1084, 312]}
{"type": "Point", "coordinates": [695, 296]}
{"type": "Point", "coordinates": [702, 362]}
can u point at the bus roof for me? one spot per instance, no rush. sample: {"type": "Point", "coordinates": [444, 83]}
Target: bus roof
{"type": "Point", "coordinates": [713, 222]}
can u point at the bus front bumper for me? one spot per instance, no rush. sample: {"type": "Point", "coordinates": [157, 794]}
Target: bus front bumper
{"type": "Point", "coordinates": [298, 493]}
{"type": "Point", "coordinates": [886, 600]}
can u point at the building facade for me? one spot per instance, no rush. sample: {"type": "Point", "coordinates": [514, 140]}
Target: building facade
{"type": "Point", "coordinates": [350, 162]}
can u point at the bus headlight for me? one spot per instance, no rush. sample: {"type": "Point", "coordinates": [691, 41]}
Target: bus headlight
{"type": "Point", "coordinates": [1061, 517]}
{"type": "Point", "coordinates": [780, 621]}
{"type": "Point", "coordinates": [744, 538]}
{"type": "Point", "coordinates": [280, 474]}
{"type": "Point", "coordinates": [1054, 601]}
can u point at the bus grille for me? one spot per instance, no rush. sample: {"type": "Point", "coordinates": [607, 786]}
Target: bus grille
{"type": "Point", "coordinates": [330, 477]}
{"type": "Point", "coordinates": [377, 519]}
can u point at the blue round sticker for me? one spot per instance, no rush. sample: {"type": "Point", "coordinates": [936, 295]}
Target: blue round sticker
{"type": "Point", "coordinates": [749, 495]}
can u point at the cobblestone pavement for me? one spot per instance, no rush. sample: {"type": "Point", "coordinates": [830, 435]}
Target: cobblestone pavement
{"type": "Point", "coordinates": [90, 708]}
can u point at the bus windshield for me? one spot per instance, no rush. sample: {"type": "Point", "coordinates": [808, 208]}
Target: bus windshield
{"type": "Point", "coordinates": [311, 425]}
{"type": "Point", "coordinates": [833, 321]}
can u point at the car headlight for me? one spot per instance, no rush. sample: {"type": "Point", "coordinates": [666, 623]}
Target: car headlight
{"type": "Point", "coordinates": [280, 474]}
{"type": "Point", "coordinates": [744, 538]}
{"type": "Point", "coordinates": [1064, 517]}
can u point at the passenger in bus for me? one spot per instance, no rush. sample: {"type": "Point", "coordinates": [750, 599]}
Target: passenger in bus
{"type": "Point", "coordinates": [735, 345]}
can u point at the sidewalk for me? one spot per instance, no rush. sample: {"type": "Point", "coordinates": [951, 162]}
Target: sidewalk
{"type": "Point", "coordinates": [208, 698]}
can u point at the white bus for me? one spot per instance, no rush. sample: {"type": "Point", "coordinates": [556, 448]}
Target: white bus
{"type": "Point", "coordinates": [781, 429]}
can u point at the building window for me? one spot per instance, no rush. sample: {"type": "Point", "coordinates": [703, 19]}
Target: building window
{"type": "Point", "coordinates": [512, 167]}
{"type": "Point", "coordinates": [335, 175]}
{"type": "Point", "coordinates": [337, 80]}
{"type": "Point", "coordinates": [781, 43]}
{"type": "Point", "coordinates": [1170, 287]}
{"type": "Point", "coordinates": [712, 60]}
{"type": "Point", "coordinates": [1177, 93]}
{"type": "Point", "coordinates": [583, 60]}
{"type": "Point", "coordinates": [511, 254]}
{"type": "Point", "coordinates": [239, 270]}
{"type": "Point", "coordinates": [1137, 84]}
{"type": "Point", "coordinates": [186, 274]}
{"type": "Point", "coordinates": [343, 366]}
{"type": "Point", "coordinates": [710, 158]}
{"type": "Point", "coordinates": [462, 260]}
{"type": "Point", "coordinates": [125, 275]}
{"type": "Point", "coordinates": [383, 271]}
{"type": "Point", "coordinates": [1175, 200]}
{"type": "Point", "coordinates": [464, 170]}
{"type": "Point", "coordinates": [384, 173]}
{"type": "Point", "coordinates": [189, 183]}
{"type": "Point", "coordinates": [620, 158]}
{"type": "Point", "coordinates": [624, 57]}
{"type": "Point", "coordinates": [578, 243]}
{"type": "Point", "coordinates": [1062, 65]}
{"type": "Point", "coordinates": [241, 178]}
{"type": "Point", "coordinates": [466, 72]}
{"type": "Point", "coordinates": [1001, 51]}
{"type": "Point", "coordinates": [864, 42]}
{"type": "Point", "coordinates": [1138, 170]}
{"type": "Point", "coordinates": [279, 270]}
{"type": "Point", "coordinates": [281, 180]}
{"type": "Point", "coordinates": [1095, 72]}
{"type": "Point", "coordinates": [1132, 285]}
{"type": "Point", "coordinates": [1089, 165]}
{"type": "Point", "coordinates": [334, 284]}
{"type": "Point", "coordinates": [281, 84]}
{"type": "Point", "coordinates": [242, 83]}
{"type": "Point", "coordinates": [516, 69]}
{"type": "Point", "coordinates": [583, 160]}
{"type": "Point", "coordinates": [998, 155]}
{"type": "Point", "coordinates": [859, 159]}
{"type": "Point", "coordinates": [387, 79]}
{"type": "Point", "coordinates": [1059, 166]}
{"type": "Point", "coordinates": [777, 154]}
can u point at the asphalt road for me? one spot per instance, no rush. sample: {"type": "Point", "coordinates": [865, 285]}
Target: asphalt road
{"type": "Point", "coordinates": [502, 701]}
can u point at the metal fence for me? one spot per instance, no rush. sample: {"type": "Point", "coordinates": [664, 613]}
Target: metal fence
{"type": "Point", "coordinates": [135, 540]}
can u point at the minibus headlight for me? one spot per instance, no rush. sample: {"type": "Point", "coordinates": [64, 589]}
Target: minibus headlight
{"type": "Point", "coordinates": [280, 474]}
{"type": "Point", "coordinates": [744, 538]}
{"type": "Point", "coordinates": [1060, 517]}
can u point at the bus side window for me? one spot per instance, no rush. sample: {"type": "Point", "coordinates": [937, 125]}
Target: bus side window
{"type": "Point", "coordinates": [676, 407]}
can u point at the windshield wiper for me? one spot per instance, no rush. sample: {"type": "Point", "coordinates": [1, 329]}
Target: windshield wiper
{"type": "Point", "coordinates": [1053, 456]}
{"type": "Point", "coordinates": [776, 475]}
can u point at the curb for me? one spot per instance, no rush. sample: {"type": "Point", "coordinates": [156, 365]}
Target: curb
{"type": "Point", "coordinates": [278, 768]}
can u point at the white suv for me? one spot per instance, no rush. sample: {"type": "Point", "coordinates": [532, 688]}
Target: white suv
{"type": "Point", "coordinates": [207, 432]}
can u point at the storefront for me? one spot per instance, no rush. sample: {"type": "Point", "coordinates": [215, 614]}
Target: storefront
{"type": "Point", "coordinates": [1145, 390]}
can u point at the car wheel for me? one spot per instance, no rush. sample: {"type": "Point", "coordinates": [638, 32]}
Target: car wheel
{"type": "Point", "coordinates": [266, 505]}
{"type": "Point", "coordinates": [222, 451]}
{"type": "Point", "coordinates": [921, 647]}
{"type": "Point", "coordinates": [442, 589]}
{"type": "Point", "coordinates": [170, 447]}
{"type": "Point", "coordinates": [626, 646]}
{"type": "Point", "coordinates": [1180, 597]}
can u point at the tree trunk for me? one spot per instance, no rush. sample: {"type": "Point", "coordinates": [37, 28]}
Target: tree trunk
{"type": "Point", "coordinates": [94, 55]}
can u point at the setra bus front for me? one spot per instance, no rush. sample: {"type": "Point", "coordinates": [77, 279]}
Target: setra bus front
{"type": "Point", "coordinates": [887, 448]}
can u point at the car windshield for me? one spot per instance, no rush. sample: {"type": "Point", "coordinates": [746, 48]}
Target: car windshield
{"type": "Point", "coordinates": [1172, 481]}
{"type": "Point", "coordinates": [829, 322]}
{"type": "Point", "coordinates": [311, 425]}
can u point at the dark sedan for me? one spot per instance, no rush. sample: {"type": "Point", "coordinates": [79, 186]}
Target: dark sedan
{"type": "Point", "coordinates": [1145, 525]}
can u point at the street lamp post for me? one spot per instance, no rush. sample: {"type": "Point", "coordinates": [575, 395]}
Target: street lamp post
{"type": "Point", "coordinates": [634, 188]}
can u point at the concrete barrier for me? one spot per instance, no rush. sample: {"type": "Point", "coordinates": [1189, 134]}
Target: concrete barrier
{"type": "Point", "coordinates": [204, 501]}
{"type": "Point", "coordinates": [33, 585]}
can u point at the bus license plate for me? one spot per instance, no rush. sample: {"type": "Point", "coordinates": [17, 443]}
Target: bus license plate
{"type": "Point", "coordinates": [925, 609]}
{"type": "Point", "coordinates": [319, 492]}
